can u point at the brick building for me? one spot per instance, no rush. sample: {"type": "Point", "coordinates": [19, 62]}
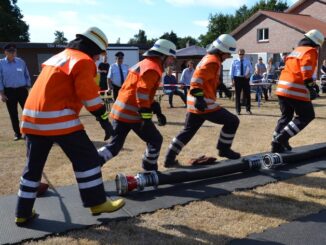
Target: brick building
{"type": "Point", "coordinates": [268, 34]}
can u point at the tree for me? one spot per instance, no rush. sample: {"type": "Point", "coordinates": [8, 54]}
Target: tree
{"type": "Point", "coordinates": [139, 38]}
{"type": "Point", "coordinates": [186, 41]}
{"type": "Point", "coordinates": [60, 38]}
{"type": "Point", "coordinates": [171, 37]}
{"type": "Point", "coordinates": [220, 23]}
{"type": "Point", "coordinates": [12, 27]}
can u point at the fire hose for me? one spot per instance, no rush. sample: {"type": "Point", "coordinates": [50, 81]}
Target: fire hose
{"type": "Point", "coordinates": [125, 184]}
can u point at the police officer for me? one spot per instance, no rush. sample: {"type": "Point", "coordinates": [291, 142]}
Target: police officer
{"type": "Point", "coordinates": [202, 105]}
{"type": "Point", "coordinates": [50, 115]}
{"type": "Point", "coordinates": [117, 74]}
{"type": "Point", "coordinates": [135, 105]}
{"type": "Point", "coordinates": [295, 90]}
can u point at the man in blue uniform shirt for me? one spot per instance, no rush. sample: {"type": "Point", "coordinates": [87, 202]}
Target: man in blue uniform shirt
{"type": "Point", "coordinates": [240, 74]}
{"type": "Point", "coordinates": [14, 84]}
{"type": "Point", "coordinates": [117, 74]}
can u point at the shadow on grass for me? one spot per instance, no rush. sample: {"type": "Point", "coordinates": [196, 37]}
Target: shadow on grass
{"type": "Point", "coordinates": [130, 232]}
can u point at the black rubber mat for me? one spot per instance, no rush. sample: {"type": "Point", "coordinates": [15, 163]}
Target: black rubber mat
{"type": "Point", "coordinates": [61, 210]}
{"type": "Point", "coordinates": [307, 230]}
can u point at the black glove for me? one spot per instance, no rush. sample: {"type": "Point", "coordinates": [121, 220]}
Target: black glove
{"type": "Point", "coordinates": [106, 125]}
{"type": "Point", "coordinates": [310, 85]}
{"type": "Point", "coordinates": [161, 120]}
{"type": "Point", "coordinates": [200, 103]}
{"type": "Point", "coordinates": [102, 117]}
{"type": "Point", "coordinates": [156, 108]}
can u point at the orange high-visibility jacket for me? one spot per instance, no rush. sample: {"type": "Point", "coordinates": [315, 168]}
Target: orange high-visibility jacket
{"type": "Point", "coordinates": [138, 90]}
{"type": "Point", "coordinates": [65, 84]}
{"type": "Point", "coordinates": [205, 77]}
{"type": "Point", "coordinates": [300, 65]}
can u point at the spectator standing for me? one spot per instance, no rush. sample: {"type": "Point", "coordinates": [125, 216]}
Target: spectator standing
{"type": "Point", "coordinates": [270, 74]}
{"type": "Point", "coordinates": [260, 68]}
{"type": "Point", "coordinates": [270, 69]}
{"type": "Point", "coordinates": [240, 74]}
{"type": "Point", "coordinates": [257, 78]}
{"type": "Point", "coordinates": [103, 69]}
{"type": "Point", "coordinates": [117, 74]}
{"type": "Point", "coordinates": [14, 84]}
{"type": "Point", "coordinates": [51, 115]}
{"type": "Point", "coordinates": [170, 79]}
{"type": "Point", "coordinates": [295, 90]}
{"type": "Point", "coordinates": [186, 76]}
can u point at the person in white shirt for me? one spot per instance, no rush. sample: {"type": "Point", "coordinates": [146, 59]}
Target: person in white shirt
{"type": "Point", "coordinates": [240, 72]}
{"type": "Point", "coordinates": [117, 74]}
{"type": "Point", "coordinates": [186, 76]}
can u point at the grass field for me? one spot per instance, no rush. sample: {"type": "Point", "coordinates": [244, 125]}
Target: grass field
{"type": "Point", "coordinates": [212, 221]}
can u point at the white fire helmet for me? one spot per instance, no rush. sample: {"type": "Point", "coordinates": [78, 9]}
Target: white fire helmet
{"type": "Point", "coordinates": [225, 43]}
{"type": "Point", "coordinates": [97, 36]}
{"type": "Point", "coordinates": [316, 36]}
{"type": "Point", "coordinates": [165, 47]}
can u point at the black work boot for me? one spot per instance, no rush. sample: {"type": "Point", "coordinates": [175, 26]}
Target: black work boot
{"type": "Point", "coordinates": [287, 146]}
{"type": "Point", "coordinates": [283, 141]}
{"type": "Point", "coordinates": [228, 153]}
{"type": "Point", "coordinates": [171, 163]}
{"type": "Point", "coordinates": [277, 147]}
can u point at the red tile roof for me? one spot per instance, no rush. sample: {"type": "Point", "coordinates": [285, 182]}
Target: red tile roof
{"type": "Point", "coordinates": [294, 6]}
{"type": "Point", "coordinates": [302, 23]}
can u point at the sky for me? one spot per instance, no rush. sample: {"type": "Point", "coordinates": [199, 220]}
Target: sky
{"type": "Point", "coordinates": [122, 19]}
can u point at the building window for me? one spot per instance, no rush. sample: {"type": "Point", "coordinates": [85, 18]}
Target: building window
{"type": "Point", "coordinates": [263, 35]}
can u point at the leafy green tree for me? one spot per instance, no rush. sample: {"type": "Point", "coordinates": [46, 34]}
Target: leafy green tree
{"type": "Point", "coordinates": [139, 39]}
{"type": "Point", "coordinates": [60, 38]}
{"type": "Point", "coordinates": [151, 42]}
{"type": "Point", "coordinates": [186, 41]}
{"type": "Point", "coordinates": [171, 37]}
{"type": "Point", "coordinates": [12, 27]}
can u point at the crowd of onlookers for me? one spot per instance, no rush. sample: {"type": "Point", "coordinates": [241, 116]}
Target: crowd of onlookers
{"type": "Point", "coordinates": [260, 73]}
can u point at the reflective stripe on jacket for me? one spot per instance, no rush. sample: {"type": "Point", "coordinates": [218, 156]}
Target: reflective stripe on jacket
{"type": "Point", "coordinates": [65, 84]}
{"type": "Point", "coordinates": [138, 90]}
{"type": "Point", "coordinates": [206, 78]}
{"type": "Point", "coordinates": [300, 65]}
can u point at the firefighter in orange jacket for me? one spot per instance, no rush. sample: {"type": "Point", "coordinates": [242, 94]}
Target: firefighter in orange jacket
{"type": "Point", "coordinates": [50, 115]}
{"type": "Point", "coordinates": [202, 105]}
{"type": "Point", "coordinates": [295, 90]}
{"type": "Point", "coordinates": [135, 105]}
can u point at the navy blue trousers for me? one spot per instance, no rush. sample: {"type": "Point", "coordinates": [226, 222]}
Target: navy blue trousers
{"type": "Point", "coordinates": [193, 122]}
{"type": "Point", "coordinates": [85, 161]}
{"type": "Point", "coordinates": [289, 125]}
{"type": "Point", "coordinates": [148, 133]}
{"type": "Point", "coordinates": [15, 96]}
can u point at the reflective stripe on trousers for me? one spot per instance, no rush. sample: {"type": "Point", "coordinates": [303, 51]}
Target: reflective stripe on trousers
{"type": "Point", "coordinates": [85, 160]}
